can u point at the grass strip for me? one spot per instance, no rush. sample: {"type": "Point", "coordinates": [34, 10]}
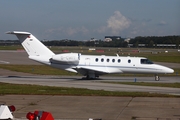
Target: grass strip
{"type": "Point", "coordinates": [159, 55]}
{"type": "Point", "coordinates": [47, 70]}
{"type": "Point", "coordinates": [20, 89]}
{"type": "Point", "coordinates": [36, 69]}
{"type": "Point", "coordinates": [171, 85]}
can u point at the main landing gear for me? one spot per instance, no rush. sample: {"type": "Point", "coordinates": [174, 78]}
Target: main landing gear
{"type": "Point", "coordinates": [92, 76]}
{"type": "Point", "coordinates": [157, 78]}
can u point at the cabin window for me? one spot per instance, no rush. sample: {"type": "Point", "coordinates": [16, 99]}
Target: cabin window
{"type": "Point", "coordinates": [146, 61]}
{"type": "Point", "coordinates": [113, 60]}
{"type": "Point", "coordinates": [119, 60]}
{"type": "Point", "coordinates": [129, 61]}
{"type": "Point", "coordinates": [102, 60]}
{"type": "Point", "coordinates": [96, 59]}
{"type": "Point", "coordinates": [107, 60]}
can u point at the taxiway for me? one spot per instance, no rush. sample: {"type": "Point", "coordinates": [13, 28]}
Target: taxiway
{"type": "Point", "coordinates": [100, 84]}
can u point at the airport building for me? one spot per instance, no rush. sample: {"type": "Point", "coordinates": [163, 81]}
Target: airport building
{"type": "Point", "coordinates": [111, 38]}
{"type": "Point", "coordinates": [156, 45]}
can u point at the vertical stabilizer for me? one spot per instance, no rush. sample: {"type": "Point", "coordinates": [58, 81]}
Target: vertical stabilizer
{"type": "Point", "coordinates": [31, 44]}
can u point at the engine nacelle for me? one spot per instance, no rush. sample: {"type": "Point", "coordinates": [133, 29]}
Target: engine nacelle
{"type": "Point", "coordinates": [66, 58]}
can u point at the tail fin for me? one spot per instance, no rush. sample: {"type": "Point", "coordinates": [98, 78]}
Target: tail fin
{"type": "Point", "coordinates": [31, 44]}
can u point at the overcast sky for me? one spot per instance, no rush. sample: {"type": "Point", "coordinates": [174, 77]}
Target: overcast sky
{"type": "Point", "coordinates": [85, 19]}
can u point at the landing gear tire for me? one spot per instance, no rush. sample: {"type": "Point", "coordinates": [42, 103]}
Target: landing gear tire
{"type": "Point", "coordinates": [157, 78]}
{"type": "Point", "coordinates": [87, 77]}
{"type": "Point", "coordinates": [90, 76]}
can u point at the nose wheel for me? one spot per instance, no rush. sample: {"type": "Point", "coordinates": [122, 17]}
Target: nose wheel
{"type": "Point", "coordinates": [157, 78]}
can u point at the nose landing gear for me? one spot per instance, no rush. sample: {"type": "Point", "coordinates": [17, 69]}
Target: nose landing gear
{"type": "Point", "coordinates": [157, 78]}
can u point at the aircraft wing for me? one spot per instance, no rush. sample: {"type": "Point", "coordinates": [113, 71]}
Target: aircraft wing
{"type": "Point", "coordinates": [85, 70]}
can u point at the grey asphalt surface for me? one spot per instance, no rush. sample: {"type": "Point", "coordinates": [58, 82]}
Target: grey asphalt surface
{"type": "Point", "coordinates": [77, 82]}
{"type": "Point", "coordinates": [105, 108]}
{"type": "Point", "coordinates": [85, 107]}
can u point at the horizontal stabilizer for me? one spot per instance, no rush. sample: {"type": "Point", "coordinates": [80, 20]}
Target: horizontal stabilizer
{"type": "Point", "coordinates": [18, 32]}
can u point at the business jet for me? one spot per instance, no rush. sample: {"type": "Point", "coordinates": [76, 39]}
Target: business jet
{"type": "Point", "coordinates": [91, 66]}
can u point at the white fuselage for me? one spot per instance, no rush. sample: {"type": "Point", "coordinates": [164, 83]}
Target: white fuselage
{"type": "Point", "coordinates": [89, 65]}
{"type": "Point", "coordinates": [113, 64]}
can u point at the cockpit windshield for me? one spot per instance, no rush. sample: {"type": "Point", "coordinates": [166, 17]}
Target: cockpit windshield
{"type": "Point", "coordinates": [146, 61]}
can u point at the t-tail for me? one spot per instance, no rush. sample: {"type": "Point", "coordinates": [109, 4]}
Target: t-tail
{"type": "Point", "coordinates": [34, 48]}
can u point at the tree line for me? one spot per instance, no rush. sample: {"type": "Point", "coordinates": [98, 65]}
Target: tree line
{"type": "Point", "coordinates": [153, 41]}
{"type": "Point", "coordinates": [150, 41]}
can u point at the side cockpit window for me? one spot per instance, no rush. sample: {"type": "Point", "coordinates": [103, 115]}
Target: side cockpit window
{"type": "Point", "coordinates": [146, 61]}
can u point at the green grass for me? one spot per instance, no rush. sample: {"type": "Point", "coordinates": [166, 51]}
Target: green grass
{"type": "Point", "coordinates": [11, 47]}
{"type": "Point", "coordinates": [172, 56]}
{"type": "Point", "coordinates": [165, 58]}
{"type": "Point", "coordinates": [47, 70]}
{"type": "Point", "coordinates": [171, 85]}
{"type": "Point", "coordinates": [176, 73]}
{"type": "Point", "coordinates": [36, 69]}
{"type": "Point", "coordinates": [18, 89]}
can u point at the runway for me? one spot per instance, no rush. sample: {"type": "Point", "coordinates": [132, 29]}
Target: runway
{"type": "Point", "coordinates": [77, 82]}
{"type": "Point", "coordinates": [101, 107]}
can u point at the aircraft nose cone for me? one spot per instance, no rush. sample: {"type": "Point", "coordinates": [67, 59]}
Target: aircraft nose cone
{"type": "Point", "coordinates": [169, 70]}
{"type": "Point", "coordinates": [164, 70]}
